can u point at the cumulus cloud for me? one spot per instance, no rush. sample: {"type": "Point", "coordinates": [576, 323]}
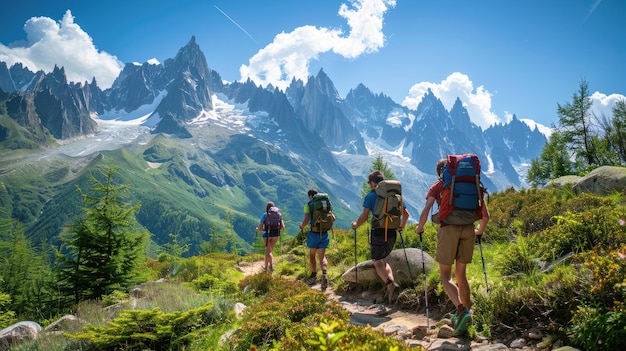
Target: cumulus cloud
{"type": "Point", "coordinates": [289, 54]}
{"type": "Point", "coordinates": [602, 104]}
{"type": "Point", "coordinates": [477, 100]}
{"type": "Point", "coordinates": [63, 44]}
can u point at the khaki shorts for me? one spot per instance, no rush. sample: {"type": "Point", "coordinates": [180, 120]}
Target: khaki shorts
{"type": "Point", "coordinates": [455, 242]}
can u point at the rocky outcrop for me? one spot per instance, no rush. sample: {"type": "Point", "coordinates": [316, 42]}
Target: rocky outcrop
{"type": "Point", "coordinates": [405, 267]}
{"type": "Point", "coordinates": [602, 181]}
{"type": "Point", "coordinates": [18, 333]}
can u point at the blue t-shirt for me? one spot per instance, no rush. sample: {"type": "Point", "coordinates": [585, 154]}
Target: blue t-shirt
{"type": "Point", "coordinates": [370, 200]}
{"type": "Point", "coordinates": [262, 220]}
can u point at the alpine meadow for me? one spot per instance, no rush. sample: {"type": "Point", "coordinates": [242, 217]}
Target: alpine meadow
{"type": "Point", "coordinates": [128, 216]}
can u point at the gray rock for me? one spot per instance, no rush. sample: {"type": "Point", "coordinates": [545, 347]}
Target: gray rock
{"type": "Point", "coordinates": [602, 180]}
{"type": "Point", "coordinates": [18, 333]}
{"type": "Point", "coordinates": [398, 261]}
{"type": "Point", "coordinates": [238, 308]}
{"type": "Point", "coordinates": [491, 347]}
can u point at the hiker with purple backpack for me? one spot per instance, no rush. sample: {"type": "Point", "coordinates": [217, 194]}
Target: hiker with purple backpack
{"type": "Point", "coordinates": [270, 223]}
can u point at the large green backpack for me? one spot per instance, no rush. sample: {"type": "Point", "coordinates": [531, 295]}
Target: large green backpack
{"type": "Point", "coordinates": [321, 213]}
{"type": "Point", "coordinates": [388, 209]}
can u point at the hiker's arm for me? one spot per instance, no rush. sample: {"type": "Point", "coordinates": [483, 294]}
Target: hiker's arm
{"type": "Point", "coordinates": [405, 218]}
{"type": "Point", "coordinates": [424, 215]}
{"type": "Point", "coordinates": [483, 221]}
{"type": "Point", "coordinates": [305, 221]}
{"type": "Point", "coordinates": [260, 227]}
{"type": "Point", "coordinates": [362, 218]}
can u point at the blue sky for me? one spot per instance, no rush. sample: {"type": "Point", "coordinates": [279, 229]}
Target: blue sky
{"type": "Point", "coordinates": [500, 57]}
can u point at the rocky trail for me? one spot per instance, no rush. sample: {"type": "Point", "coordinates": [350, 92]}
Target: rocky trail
{"type": "Point", "coordinates": [412, 326]}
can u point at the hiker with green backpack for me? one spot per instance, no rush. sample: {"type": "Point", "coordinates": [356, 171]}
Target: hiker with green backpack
{"type": "Point", "coordinates": [318, 215]}
{"type": "Point", "coordinates": [389, 216]}
{"type": "Point", "coordinates": [459, 195]}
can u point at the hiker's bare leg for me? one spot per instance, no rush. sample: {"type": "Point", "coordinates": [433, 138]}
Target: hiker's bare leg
{"type": "Point", "coordinates": [383, 270]}
{"type": "Point", "coordinates": [312, 259]}
{"type": "Point", "coordinates": [445, 274]}
{"type": "Point", "coordinates": [463, 284]}
{"type": "Point", "coordinates": [271, 242]}
{"type": "Point", "coordinates": [268, 252]}
{"type": "Point", "coordinates": [321, 255]}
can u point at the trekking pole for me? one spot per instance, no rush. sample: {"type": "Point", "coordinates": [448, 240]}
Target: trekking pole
{"type": "Point", "coordinates": [480, 246]}
{"type": "Point", "coordinates": [425, 289]}
{"type": "Point", "coordinates": [356, 270]}
{"type": "Point", "coordinates": [332, 233]}
{"type": "Point", "coordinates": [254, 250]}
{"type": "Point", "coordinates": [406, 257]}
{"type": "Point", "coordinates": [305, 251]}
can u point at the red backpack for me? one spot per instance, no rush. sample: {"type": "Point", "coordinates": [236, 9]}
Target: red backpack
{"type": "Point", "coordinates": [462, 196]}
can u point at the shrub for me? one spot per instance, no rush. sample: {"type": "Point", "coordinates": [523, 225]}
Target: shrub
{"type": "Point", "coordinates": [152, 329]}
{"type": "Point", "coordinates": [339, 335]}
{"type": "Point", "coordinates": [114, 298]}
{"type": "Point", "coordinates": [516, 258]}
{"type": "Point", "coordinates": [599, 331]}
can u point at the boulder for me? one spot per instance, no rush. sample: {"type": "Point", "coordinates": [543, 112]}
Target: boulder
{"type": "Point", "coordinates": [602, 180]}
{"type": "Point", "coordinates": [18, 333]}
{"type": "Point", "coordinates": [400, 264]}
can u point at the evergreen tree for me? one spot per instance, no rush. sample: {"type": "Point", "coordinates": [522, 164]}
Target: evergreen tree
{"type": "Point", "coordinates": [26, 275]}
{"type": "Point", "coordinates": [380, 165]}
{"type": "Point", "coordinates": [575, 125]}
{"type": "Point", "coordinates": [618, 134]}
{"type": "Point", "coordinates": [102, 250]}
{"type": "Point", "coordinates": [553, 162]}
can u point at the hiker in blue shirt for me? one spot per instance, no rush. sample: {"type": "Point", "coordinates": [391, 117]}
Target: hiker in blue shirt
{"type": "Point", "coordinates": [270, 233]}
{"type": "Point", "coordinates": [317, 242]}
{"type": "Point", "coordinates": [381, 245]}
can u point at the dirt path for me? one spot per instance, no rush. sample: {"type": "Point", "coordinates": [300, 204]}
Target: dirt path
{"type": "Point", "coordinates": [362, 308]}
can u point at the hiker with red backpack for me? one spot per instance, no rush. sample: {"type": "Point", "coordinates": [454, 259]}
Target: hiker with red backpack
{"type": "Point", "coordinates": [270, 223]}
{"type": "Point", "coordinates": [384, 229]}
{"type": "Point", "coordinates": [459, 195]}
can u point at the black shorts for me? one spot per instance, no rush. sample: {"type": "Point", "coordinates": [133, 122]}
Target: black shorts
{"type": "Point", "coordinates": [379, 248]}
{"type": "Point", "coordinates": [273, 233]}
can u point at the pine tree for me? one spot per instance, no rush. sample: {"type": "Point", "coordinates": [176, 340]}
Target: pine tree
{"type": "Point", "coordinates": [575, 125]}
{"type": "Point", "coordinates": [380, 165]}
{"type": "Point", "coordinates": [101, 252]}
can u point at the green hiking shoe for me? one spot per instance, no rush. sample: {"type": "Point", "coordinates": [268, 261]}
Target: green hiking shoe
{"type": "Point", "coordinates": [464, 320]}
{"type": "Point", "coordinates": [454, 318]}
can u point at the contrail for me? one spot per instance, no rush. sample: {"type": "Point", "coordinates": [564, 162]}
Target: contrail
{"type": "Point", "coordinates": [593, 8]}
{"type": "Point", "coordinates": [235, 23]}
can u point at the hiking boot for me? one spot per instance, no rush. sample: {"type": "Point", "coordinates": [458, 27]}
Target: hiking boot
{"type": "Point", "coordinates": [463, 321]}
{"type": "Point", "coordinates": [454, 318]}
{"type": "Point", "coordinates": [311, 280]}
{"type": "Point", "coordinates": [392, 286]}
{"type": "Point", "coordinates": [324, 282]}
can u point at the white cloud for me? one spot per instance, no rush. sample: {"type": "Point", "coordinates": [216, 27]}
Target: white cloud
{"type": "Point", "coordinates": [288, 56]}
{"type": "Point", "coordinates": [477, 100]}
{"type": "Point", "coordinates": [602, 105]}
{"type": "Point", "coordinates": [63, 44]}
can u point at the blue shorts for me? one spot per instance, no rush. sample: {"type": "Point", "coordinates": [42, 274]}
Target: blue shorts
{"type": "Point", "coordinates": [317, 240]}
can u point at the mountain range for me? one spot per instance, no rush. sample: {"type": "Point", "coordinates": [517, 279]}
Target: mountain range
{"type": "Point", "coordinates": [202, 154]}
